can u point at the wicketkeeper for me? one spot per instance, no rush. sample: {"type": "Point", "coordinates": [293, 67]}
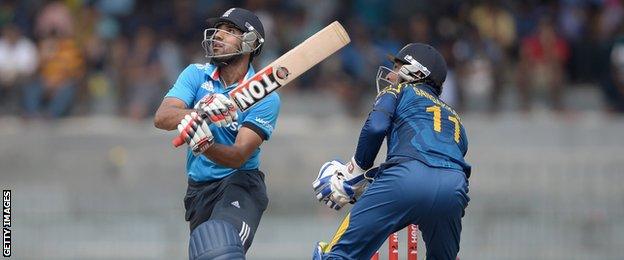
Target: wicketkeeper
{"type": "Point", "coordinates": [424, 179]}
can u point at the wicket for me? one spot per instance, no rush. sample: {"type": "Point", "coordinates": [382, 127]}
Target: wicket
{"type": "Point", "coordinates": [393, 245]}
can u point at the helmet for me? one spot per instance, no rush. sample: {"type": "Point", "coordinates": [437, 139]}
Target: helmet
{"type": "Point", "coordinates": [421, 62]}
{"type": "Point", "coordinates": [244, 20]}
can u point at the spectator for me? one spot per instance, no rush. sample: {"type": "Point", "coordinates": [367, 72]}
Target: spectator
{"type": "Point", "coordinates": [18, 62]}
{"type": "Point", "coordinates": [497, 25]}
{"type": "Point", "coordinates": [359, 60]}
{"type": "Point", "coordinates": [61, 69]}
{"type": "Point", "coordinates": [482, 37]}
{"type": "Point", "coordinates": [55, 17]}
{"type": "Point", "coordinates": [614, 83]}
{"type": "Point", "coordinates": [494, 23]}
{"type": "Point", "coordinates": [542, 59]}
{"type": "Point", "coordinates": [419, 29]}
{"type": "Point", "coordinates": [451, 92]}
{"type": "Point", "coordinates": [144, 74]}
{"type": "Point", "coordinates": [476, 61]}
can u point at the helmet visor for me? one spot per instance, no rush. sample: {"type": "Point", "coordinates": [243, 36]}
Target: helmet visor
{"type": "Point", "coordinates": [385, 77]}
{"type": "Point", "coordinates": [215, 47]}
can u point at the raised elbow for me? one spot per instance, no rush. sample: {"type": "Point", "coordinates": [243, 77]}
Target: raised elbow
{"type": "Point", "coordinates": [159, 122]}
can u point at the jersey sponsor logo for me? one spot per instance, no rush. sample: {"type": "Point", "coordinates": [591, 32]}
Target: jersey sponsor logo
{"type": "Point", "coordinates": [234, 126]}
{"type": "Point", "coordinates": [264, 123]}
{"type": "Point", "coordinates": [255, 89]}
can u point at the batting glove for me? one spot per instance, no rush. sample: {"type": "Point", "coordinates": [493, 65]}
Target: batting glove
{"type": "Point", "coordinates": [196, 133]}
{"type": "Point", "coordinates": [220, 110]}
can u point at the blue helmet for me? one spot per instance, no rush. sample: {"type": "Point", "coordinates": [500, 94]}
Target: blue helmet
{"type": "Point", "coordinates": [421, 63]}
{"type": "Point", "coordinates": [252, 39]}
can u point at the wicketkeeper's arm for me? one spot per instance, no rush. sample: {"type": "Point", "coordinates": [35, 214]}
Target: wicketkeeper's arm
{"type": "Point", "coordinates": [374, 131]}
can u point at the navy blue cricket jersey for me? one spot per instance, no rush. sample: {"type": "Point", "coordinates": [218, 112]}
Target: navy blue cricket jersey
{"type": "Point", "coordinates": [417, 125]}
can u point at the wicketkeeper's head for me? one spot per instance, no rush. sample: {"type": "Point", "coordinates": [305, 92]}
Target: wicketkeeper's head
{"type": "Point", "coordinates": [244, 20]}
{"type": "Point", "coordinates": [416, 62]}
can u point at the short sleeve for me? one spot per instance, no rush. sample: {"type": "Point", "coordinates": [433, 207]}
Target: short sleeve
{"type": "Point", "coordinates": [185, 87]}
{"type": "Point", "coordinates": [262, 117]}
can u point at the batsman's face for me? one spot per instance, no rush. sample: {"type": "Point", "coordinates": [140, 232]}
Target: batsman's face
{"type": "Point", "coordinates": [227, 39]}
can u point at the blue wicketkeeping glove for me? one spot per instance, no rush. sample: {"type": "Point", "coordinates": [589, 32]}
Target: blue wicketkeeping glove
{"type": "Point", "coordinates": [338, 184]}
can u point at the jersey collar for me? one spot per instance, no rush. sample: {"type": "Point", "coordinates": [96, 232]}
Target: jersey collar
{"type": "Point", "coordinates": [429, 88]}
{"type": "Point", "coordinates": [213, 73]}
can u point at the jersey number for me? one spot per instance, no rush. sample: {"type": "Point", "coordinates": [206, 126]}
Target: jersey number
{"type": "Point", "coordinates": [437, 123]}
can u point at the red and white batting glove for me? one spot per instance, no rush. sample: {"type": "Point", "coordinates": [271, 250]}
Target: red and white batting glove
{"type": "Point", "coordinates": [196, 133]}
{"type": "Point", "coordinates": [220, 110]}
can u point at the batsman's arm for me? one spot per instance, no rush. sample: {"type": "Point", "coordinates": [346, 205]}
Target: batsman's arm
{"type": "Point", "coordinates": [256, 127]}
{"type": "Point", "coordinates": [170, 113]}
{"type": "Point", "coordinates": [180, 98]}
{"type": "Point", "coordinates": [247, 141]}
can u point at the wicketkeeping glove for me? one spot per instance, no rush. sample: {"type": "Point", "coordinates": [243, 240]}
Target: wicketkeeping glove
{"type": "Point", "coordinates": [220, 109]}
{"type": "Point", "coordinates": [338, 184]}
{"type": "Point", "coordinates": [196, 133]}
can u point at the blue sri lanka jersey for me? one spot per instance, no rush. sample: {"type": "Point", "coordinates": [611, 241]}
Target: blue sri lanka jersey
{"type": "Point", "coordinates": [199, 80]}
{"type": "Point", "coordinates": [417, 125]}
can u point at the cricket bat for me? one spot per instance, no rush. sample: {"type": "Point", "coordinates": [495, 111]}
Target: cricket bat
{"type": "Point", "coordinates": [287, 68]}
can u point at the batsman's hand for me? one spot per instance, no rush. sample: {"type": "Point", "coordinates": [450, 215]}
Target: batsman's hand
{"type": "Point", "coordinates": [219, 109]}
{"type": "Point", "coordinates": [196, 133]}
{"type": "Point", "coordinates": [336, 185]}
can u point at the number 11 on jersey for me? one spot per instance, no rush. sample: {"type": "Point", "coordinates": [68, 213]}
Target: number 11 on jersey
{"type": "Point", "coordinates": [437, 121]}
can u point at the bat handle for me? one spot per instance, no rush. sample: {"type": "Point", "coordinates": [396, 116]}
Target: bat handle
{"type": "Point", "coordinates": [177, 141]}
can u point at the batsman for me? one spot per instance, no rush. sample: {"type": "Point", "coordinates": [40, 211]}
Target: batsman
{"type": "Point", "coordinates": [226, 194]}
{"type": "Point", "coordinates": [424, 179]}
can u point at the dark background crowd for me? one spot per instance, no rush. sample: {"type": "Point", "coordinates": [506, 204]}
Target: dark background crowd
{"type": "Point", "coordinates": [119, 57]}
{"type": "Point", "coordinates": [539, 84]}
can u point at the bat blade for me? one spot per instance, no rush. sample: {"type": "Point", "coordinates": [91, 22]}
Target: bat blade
{"type": "Point", "coordinates": [290, 65]}
{"type": "Point", "coordinates": [287, 67]}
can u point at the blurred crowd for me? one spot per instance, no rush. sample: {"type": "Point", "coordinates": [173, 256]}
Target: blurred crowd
{"type": "Point", "coordinates": [85, 57]}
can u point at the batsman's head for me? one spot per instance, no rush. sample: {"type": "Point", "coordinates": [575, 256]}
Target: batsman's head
{"type": "Point", "coordinates": [236, 33]}
{"type": "Point", "coordinates": [414, 63]}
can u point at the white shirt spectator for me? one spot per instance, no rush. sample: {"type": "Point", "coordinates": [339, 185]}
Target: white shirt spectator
{"type": "Point", "coordinates": [17, 59]}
